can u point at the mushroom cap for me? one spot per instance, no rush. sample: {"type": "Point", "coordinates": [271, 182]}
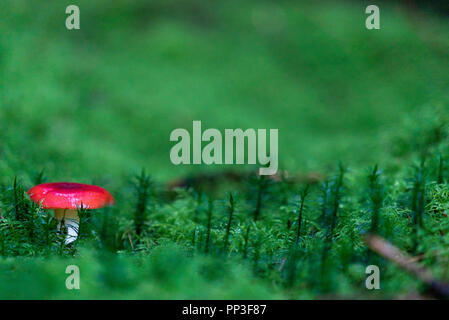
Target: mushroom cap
{"type": "Point", "coordinates": [70, 195]}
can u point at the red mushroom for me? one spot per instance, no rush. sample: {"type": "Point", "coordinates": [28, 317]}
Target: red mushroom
{"type": "Point", "coordinates": [66, 198]}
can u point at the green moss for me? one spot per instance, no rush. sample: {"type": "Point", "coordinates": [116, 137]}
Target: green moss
{"type": "Point", "coordinates": [98, 104]}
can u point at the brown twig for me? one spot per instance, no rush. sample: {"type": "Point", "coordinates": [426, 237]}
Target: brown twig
{"type": "Point", "coordinates": [130, 240]}
{"type": "Point", "coordinates": [392, 253]}
{"type": "Point", "coordinates": [281, 265]}
{"type": "Point", "coordinates": [212, 179]}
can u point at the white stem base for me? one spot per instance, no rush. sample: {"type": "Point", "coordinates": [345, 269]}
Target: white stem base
{"type": "Point", "coordinates": [71, 222]}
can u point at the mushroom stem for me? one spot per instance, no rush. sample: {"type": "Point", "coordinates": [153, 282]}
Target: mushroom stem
{"type": "Point", "coordinates": [71, 220]}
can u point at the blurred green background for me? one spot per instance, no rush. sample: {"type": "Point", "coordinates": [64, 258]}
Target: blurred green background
{"type": "Point", "coordinates": [101, 101]}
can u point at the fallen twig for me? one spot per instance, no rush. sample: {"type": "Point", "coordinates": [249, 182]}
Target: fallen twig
{"type": "Point", "coordinates": [282, 264]}
{"type": "Point", "coordinates": [392, 253]}
{"type": "Point", "coordinates": [130, 241]}
{"type": "Point", "coordinates": [211, 179]}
